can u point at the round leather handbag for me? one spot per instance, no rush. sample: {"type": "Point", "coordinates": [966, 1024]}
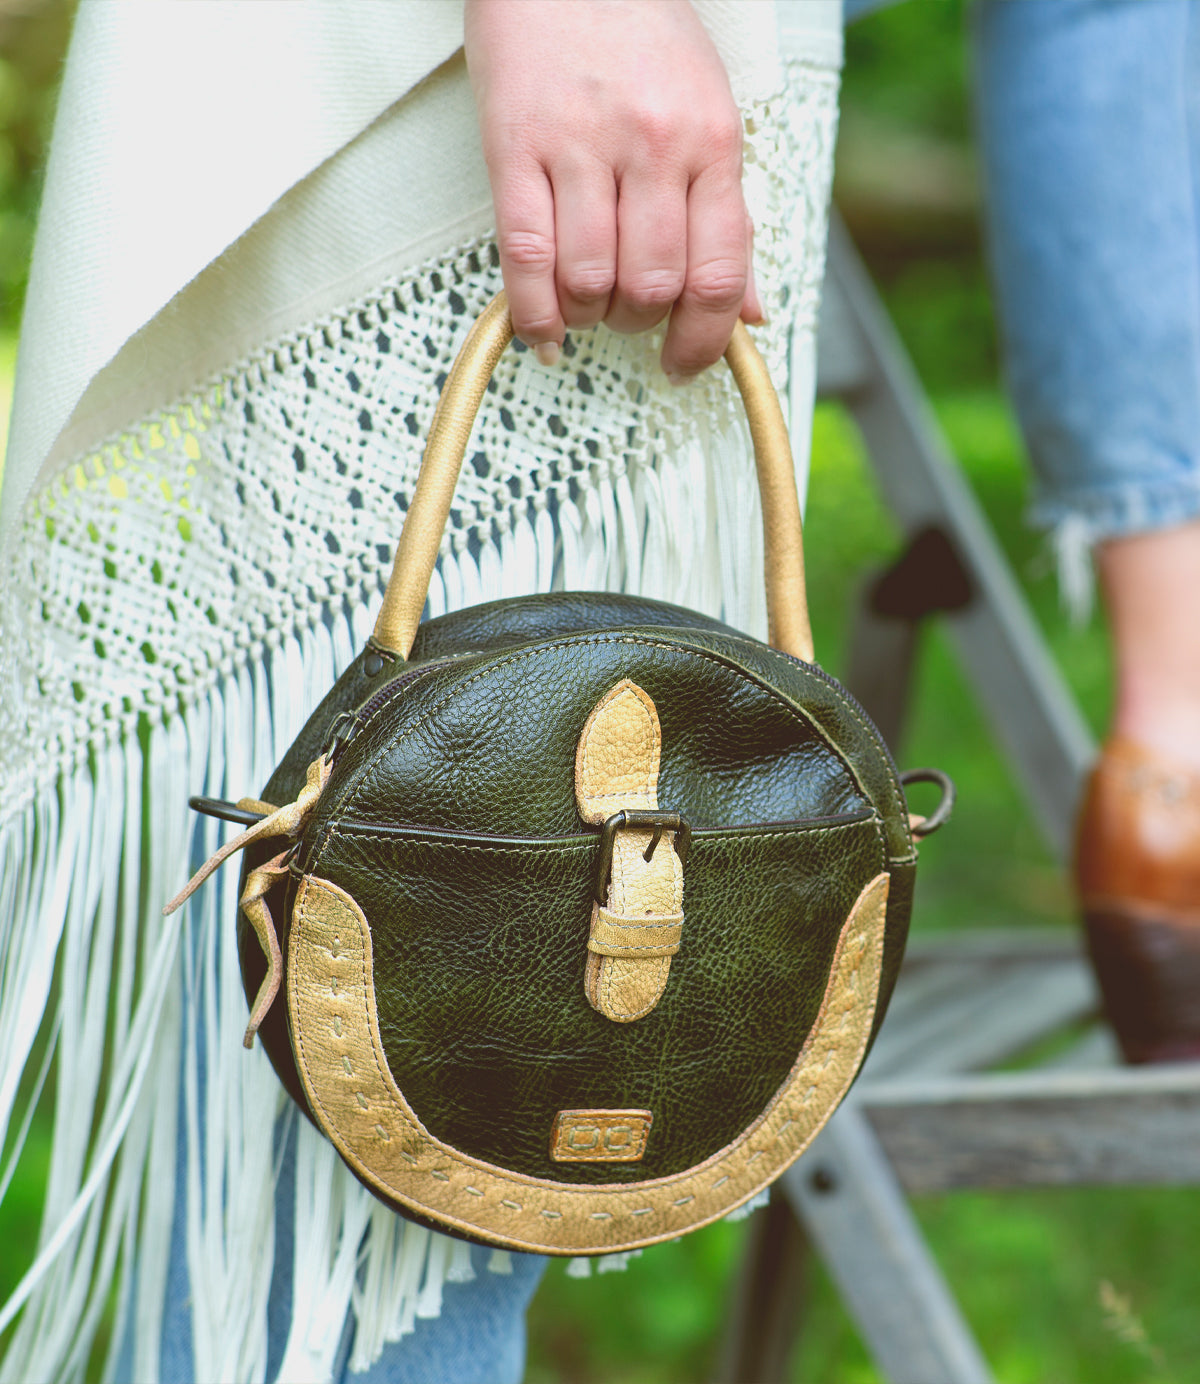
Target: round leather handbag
{"type": "Point", "coordinates": [582, 910]}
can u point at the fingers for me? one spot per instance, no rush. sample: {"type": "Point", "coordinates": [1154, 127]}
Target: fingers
{"type": "Point", "coordinates": [715, 287]}
{"type": "Point", "coordinates": [526, 240]}
{"type": "Point", "coordinates": [613, 144]}
{"type": "Point", "coordinates": [585, 218]}
{"type": "Point", "coordinates": [651, 248]}
{"type": "Point", "coordinates": [557, 239]}
{"type": "Point", "coordinates": [576, 249]}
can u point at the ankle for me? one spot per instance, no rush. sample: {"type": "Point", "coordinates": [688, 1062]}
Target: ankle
{"type": "Point", "coordinates": [1168, 730]}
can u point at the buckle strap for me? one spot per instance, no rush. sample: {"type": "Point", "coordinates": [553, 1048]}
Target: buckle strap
{"type": "Point", "coordinates": [620, 934]}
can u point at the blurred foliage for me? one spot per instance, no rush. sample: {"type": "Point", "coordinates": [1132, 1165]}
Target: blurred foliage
{"type": "Point", "coordinates": [907, 184]}
{"type": "Point", "coordinates": [33, 42]}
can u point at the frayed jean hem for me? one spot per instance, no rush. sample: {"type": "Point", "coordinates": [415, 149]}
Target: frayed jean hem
{"type": "Point", "coordinates": [1079, 521]}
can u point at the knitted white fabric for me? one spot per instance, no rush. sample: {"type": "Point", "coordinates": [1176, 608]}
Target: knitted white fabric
{"type": "Point", "coordinates": [180, 599]}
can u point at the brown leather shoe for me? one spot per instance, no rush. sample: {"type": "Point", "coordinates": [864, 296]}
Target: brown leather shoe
{"type": "Point", "coordinates": [1137, 868]}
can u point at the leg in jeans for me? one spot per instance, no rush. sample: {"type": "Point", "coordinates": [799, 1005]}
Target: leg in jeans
{"type": "Point", "coordinates": [1089, 129]}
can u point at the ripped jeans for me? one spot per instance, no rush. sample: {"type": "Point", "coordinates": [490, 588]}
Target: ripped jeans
{"type": "Point", "coordinates": [1089, 128]}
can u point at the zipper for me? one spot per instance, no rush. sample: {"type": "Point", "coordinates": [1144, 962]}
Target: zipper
{"type": "Point", "coordinates": [348, 724]}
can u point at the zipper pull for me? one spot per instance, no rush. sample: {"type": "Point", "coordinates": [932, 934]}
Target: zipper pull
{"type": "Point", "coordinates": [345, 727]}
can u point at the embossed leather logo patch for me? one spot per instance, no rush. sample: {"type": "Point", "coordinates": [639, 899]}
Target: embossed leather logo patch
{"type": "Point", "coordinates": [599, 1136]}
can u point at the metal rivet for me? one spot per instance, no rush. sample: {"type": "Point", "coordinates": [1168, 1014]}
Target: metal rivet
{"type": "Point", "coordinates": [373, 664]}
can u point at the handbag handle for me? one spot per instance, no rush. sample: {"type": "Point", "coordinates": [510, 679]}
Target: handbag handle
{"type": "Point", "coordinates": [425, 523]}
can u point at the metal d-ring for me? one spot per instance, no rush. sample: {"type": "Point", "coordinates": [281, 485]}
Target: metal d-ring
{"type": "Point", "coordinates": [940, 814]}
{"type": "Point", "coordinates": [638, 817]}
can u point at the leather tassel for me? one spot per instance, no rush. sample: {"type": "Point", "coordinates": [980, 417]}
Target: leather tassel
{"type": "Point", "coordinates": [253, 904]}
{"type": "Point", "coordinates": [286, 821]}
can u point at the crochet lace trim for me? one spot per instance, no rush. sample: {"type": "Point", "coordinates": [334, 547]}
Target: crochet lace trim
{"type": "Point", "coordinates": [182, 548]}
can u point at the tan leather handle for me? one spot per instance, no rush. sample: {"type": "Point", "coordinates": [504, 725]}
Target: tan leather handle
{"type": "Point", "coordinates": [425, 523]}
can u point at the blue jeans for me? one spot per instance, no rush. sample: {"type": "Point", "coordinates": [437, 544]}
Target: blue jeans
{"type": "Point", "coordinates": [1089, 127]}
{"type": "Point", "coordinates": [479, 1338]}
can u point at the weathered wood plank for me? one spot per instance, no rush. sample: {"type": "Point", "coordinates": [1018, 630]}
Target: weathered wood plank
{"type": "Point", "coordinates": [857, 1217]}
{"type": "Point", "coordinates": [916, 991]}
{"type": "Point", "coordinates": [996, 1013]}
{"type": "Point", "coordinates": [1095, 1048]}
{"type": "Point", "coordinates": [843, 361]}
{"type": "Point", "coordinates": [984, 944]}
{"type": "Point", "coordinates": [767, 1304]}
{"type": "Point", "coordinates": [1123, 1126]}
{"type": "Point", "coordinates": [1034, 716]}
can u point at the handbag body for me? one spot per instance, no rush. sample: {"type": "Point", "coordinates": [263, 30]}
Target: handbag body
{"type": "Point", "coordinates": [589, 906]}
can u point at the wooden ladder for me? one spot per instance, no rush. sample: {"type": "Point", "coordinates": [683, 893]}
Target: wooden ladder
{"type": "Point", "coordinates": [927, 1115]}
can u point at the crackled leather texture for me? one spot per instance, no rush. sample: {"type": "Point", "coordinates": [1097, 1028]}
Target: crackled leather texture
{"type": "Point", "coordinates": [469, 762]}
{"type": "Point", "coordinates": [479, 950]}
{"type": "Point", "coordinates": [331, 1004]}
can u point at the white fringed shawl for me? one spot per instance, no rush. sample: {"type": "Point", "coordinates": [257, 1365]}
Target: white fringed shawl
{"type": "Point", "coordinates": [237, 316]}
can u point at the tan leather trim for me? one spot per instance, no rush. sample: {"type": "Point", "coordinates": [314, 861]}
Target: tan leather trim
{"type": "Point", "coordinates": [616, 934]}
{"type": "Point", "coordinates": [626, 987]}
{"type": "Point", "coordinates": [788, 623]}
{"type": "Point", "coordinates": [425, 522]}
{"type": "Point", "coordinates": [616, 768]}
{"type": "Point", "coordinates": [335, 1034]}
{"type": "Point", "coordinates": [253, 904]}
{"type": "Point", "coordinates": [618, 755]}
{"type": "Point", "coordinates": [283, 821]}
{"type": "Point", "coordinates": [600, 1136]}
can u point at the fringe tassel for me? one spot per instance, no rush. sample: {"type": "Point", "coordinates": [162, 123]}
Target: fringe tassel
{"type": "Point", "coordinates": [1073, 541]}
{"type": "Point", "coordinates": [570, 525]}
{"type": "Point", "coordinates": [581, 1265]}
{"type": "Point", "coordinates": [429, 1302]}
{"type": "Point", "coordinates": [76, 897]}
{"type": "Point", "coordinates": [330, 1224]}
{"type": "Point", "coordinates": [546, 540]}
{"type": "Point", "coordinates": [230, 1164]}
{"type": "Point", "coordinates": [748, 1208]}
{"type": "Point", "coordinates": [385, 1297]}
{"type": "Point", "coordinates": [468, 570]}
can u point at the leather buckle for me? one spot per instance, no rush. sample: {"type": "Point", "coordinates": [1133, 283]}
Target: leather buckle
{"type": "Point", "coordinates": [638, 817]}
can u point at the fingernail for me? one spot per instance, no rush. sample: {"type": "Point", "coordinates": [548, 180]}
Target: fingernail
{"type": "Point", "coordinates": [674, 377]}
{"type": "Point", "coordinates": [547, 352]}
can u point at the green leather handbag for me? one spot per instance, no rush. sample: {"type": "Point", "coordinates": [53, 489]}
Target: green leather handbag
{"type": "Point", "coordinates": [582, 910]}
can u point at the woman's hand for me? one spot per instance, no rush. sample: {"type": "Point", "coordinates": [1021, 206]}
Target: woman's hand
{"type": "Point", "coordinates": [615, 153]}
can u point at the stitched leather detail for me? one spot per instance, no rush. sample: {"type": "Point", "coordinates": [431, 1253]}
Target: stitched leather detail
{"type": "Point", "coordinates": [600, 1136]}
{"type": "Point", "coordinates": [519, 912]}
{"type": "Point", "coordinates": [616, 764]}
{"type": "Point", "coordinates": [615, 934]}
{"type": "Point", "coordinates": [331, 1003]}
{"type": "Point", "coordinates": [616, 768]}
{"type": "Point", "coordinates": [718, 696]}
